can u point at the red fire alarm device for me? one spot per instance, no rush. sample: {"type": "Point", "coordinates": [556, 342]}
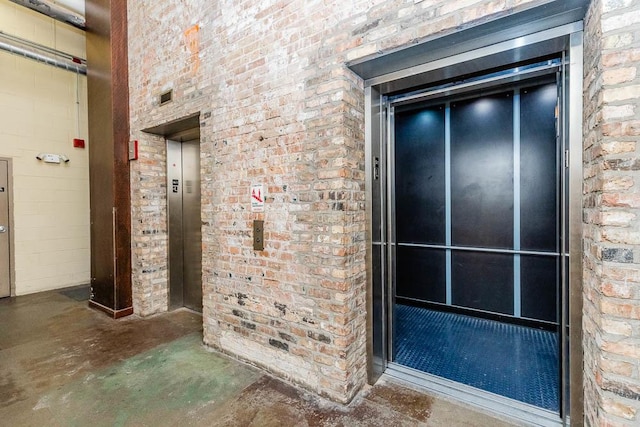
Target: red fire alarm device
{"type": "Point", "coordinates": [78, 143]}
{"type": "Point", "coordinates": [133, 150]}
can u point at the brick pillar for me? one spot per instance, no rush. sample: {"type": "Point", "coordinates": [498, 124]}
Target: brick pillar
{"type": "Point", "coordinates": [612, 227]}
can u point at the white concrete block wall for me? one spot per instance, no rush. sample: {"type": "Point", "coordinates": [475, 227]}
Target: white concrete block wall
{"type": "Point", "coordinates": [38, 113]}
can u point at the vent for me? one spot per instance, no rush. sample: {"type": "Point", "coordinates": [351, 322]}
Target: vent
{"type": "Point", "coordinates": [166, 97]}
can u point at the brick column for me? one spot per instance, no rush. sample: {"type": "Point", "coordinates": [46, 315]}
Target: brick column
{"type": "Point", "coordinates": [612, 200]}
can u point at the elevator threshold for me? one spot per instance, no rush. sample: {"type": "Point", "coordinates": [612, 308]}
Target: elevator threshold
{"type": "Point", "coordinates": [502, 406]}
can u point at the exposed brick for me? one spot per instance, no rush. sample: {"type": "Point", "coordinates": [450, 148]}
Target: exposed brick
{"type": "Point", "coordinates": [248, 325]}
{"type": "Point", "coordinates": [617, 255]}
{"type": "Point", "coordinates": [279, 344]}
{"type": "Point", "coordinates": [617, 41]}
{"type": "Point", "coordinates": [622, 164]}
{"type": "Point", "coordinates": [628, 391]}
{"type": "Point", "coordinates": [616, 76]}
{"type": "Point", "coordinates": [620, 57]}
{"type": "Point", "coordinates": [617, 367]}
{"type": "Point", "coordinates": [279, 107]}
{"type": "Point", "coordinates": [618, 21]}
{"type": "Point", "coordinates": [618, 183]}
{"type": "Point", "coordinates": [618, 111]}
{"type": "Point", "coordinates": [319, 337]}
{"type": "Point", "coordinates": [630, 200]}
{"type": "Point", "coordinates": [611, 5]}
{"type": "Point", "coordinates": [617, 235]}
{"type": "Point", "coordinates": [615, 327]}
{"type": "Point", "coordinates": [622, 274]}
{"type": "Point", "coordinates": [612, 302]}
{"type": "Point", "coordinates": [619, 409]}
{"type": "Point", "coordinates": [626, 310]}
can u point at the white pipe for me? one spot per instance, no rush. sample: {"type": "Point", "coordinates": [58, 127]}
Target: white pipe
{"type": "Point", "coordinates": [55, 11]}
{"type": "Point", "coordinates": [41, 53]}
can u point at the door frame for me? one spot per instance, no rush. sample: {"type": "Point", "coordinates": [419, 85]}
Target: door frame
{"type": "Point", "coordinates": [12, 258]}
{"type": "Point", "coordinates": [181, 129]}
{"type": "Point", "coordinates": [565, 40]}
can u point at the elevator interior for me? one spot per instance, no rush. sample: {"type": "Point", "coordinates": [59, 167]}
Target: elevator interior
{"type": "Point", "coordinates": [475, 201]}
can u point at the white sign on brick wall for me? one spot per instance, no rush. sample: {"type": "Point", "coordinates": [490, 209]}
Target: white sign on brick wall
{"type": "Point", "coordinates": [257, 198]}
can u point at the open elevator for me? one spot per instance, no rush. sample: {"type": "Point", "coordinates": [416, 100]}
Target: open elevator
{"type": "Point", "coordinates": [476, 207]}
{"type": "Point", "coordinates": [473, 148]}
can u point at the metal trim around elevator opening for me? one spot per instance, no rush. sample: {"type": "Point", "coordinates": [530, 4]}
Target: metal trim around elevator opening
{"type": "Point", "coordinates": [566, 40]}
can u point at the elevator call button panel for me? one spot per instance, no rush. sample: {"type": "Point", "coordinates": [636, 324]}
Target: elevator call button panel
{"type": "Point", "coordinates": [258, 235]}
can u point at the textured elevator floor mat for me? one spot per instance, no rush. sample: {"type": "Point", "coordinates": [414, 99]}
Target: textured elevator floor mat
{"type": "Point", "coordinates": [510, 360]}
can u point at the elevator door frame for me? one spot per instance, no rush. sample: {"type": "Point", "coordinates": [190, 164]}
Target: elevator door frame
{"type": "Point", "coordinates": [180, 256]}
{"type": "Point", "coordinates": [565, 41]}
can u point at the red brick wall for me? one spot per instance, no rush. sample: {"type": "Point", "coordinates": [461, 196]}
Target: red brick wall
{"type": "Point", "coordinates": [612, 199]}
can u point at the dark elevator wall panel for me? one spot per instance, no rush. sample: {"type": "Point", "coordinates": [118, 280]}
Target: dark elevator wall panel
{"type": "Point", "coordinates": [539, 169]}
{"type": "Point", "coordinates": [420, 189]}
{"type": "Point", "coordinates": [482, 171]}
{"type": "Point", "coordinates": [483, 281]}
{"type": "Point", "coordinates": [539, 287]}
{"type": "Point", "coordinates": [421, 274]}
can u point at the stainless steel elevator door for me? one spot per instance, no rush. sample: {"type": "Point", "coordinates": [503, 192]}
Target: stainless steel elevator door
{"type": "Point", "coordinates": [5, 255]}
{"type": "Point", "coordinates": [185, 235]}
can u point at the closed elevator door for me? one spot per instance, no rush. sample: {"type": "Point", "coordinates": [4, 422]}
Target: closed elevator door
{"type": "Point", "coordinates": [476, 202]}
{"type": "Point", "coordinates": [185, 235]}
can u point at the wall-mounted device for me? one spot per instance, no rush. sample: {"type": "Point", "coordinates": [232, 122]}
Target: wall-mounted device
{"type": "Point", "coordinates": [258, 235]}
{"type": "Point", "coordinates": [133, 150]}
{"type": "Point", "coordinates": [52, 158]}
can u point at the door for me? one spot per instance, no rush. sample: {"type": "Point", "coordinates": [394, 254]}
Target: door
{"type": "Point", "coordinates": [476, 215]}
{"type": "Point", "coordinates": [185, 238]}
{"type": "Point", "coordinates": [5, 253]}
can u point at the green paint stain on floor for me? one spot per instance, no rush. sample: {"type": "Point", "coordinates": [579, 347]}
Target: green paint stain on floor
{"type": "Point", "coordinates": [173, 383]}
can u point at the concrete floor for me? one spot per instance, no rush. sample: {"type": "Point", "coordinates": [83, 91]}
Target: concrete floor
{"type": "Point", "coordinates": [64, 364]}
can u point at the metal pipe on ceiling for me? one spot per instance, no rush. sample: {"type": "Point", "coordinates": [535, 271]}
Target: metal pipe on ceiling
{"type": "Point", "coordinates": [54, 11]}
{"type": "Point", "coordinates": [43, 54]}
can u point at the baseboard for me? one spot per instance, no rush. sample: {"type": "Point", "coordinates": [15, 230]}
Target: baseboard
{"type": "Point", "coordinates": [116, 314]}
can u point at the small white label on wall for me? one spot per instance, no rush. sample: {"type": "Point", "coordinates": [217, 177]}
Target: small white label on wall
{"type": "Point", "coordinates": [257, 198]}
